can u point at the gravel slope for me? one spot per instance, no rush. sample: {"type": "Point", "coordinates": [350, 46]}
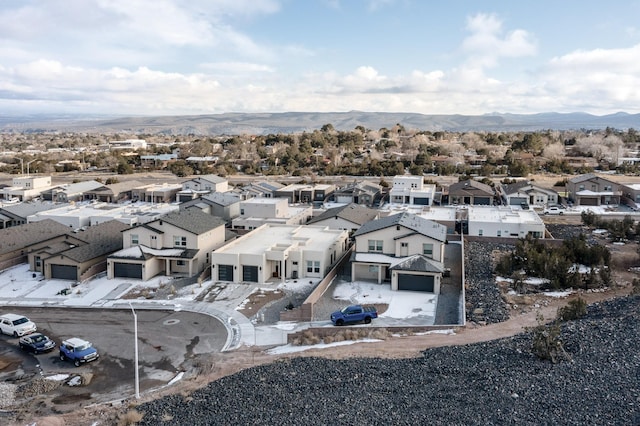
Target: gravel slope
{"type": "Point", "coordinates": [498, 382]}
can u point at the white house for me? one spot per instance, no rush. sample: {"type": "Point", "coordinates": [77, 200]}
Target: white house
{"type": "Point", "coordinates": [255, 212]}
{"type": "Point", "coordinates": [501, 221]}
{"type": "Point", "coordinates": [411, 190]}
{"type": "Point", "coordinates": [404, 248]}
{"type": "Point", "coordinates": [26, 188]}
{"type": "Point", "coordinates": [277, 251]}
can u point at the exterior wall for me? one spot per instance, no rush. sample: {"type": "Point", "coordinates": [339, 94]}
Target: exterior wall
{"type": "Point", "coordinates": [273, 209]}
{"type": "Point", "coordinates": [150, 268]}
{"type": "Point", "coordinates": [64, 260]}
{"type": "Point", "coordinates": [501, 229]}
{"type": "Point", "coordinates": [144, 238]}
{"type": "Point", "coordinates": [338, 223]}
{"type": "Point", "coordinates": [32, 182]}
{"type": "Point", "coordinates": [415, 246]}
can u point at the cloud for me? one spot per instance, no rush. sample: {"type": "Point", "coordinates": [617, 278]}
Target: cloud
{"type": "Point", "coordinates": [487, 42]}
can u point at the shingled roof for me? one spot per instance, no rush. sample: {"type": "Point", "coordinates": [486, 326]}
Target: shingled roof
{"type": "Point", "coordinates": [100, 239]}
{"type": "Point", "coordinates": [194, 221]}
{"type": "Point", "coordinates": [410, 221]}
{"type": "Point", "coordinates": [22, 236]}
{"type": "Point", "coordinates": [354, 213]}
{"type": "Point", "coordinates": [418, 263]}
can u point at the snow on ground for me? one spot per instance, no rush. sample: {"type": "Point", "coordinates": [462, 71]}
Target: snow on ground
{"type": "Point", "coordinates": [402, 304]}
{"type": "Point", "coordinates": [19, 285]}
{"type": "Point", "coordinates": [291, 348]}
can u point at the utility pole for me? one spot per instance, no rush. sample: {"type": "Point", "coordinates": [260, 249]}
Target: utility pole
{"type": "Point", "coordinates": [135, 336]}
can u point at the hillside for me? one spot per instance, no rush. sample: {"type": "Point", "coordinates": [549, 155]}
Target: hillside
{"type": "Point", "coordinates": [293, 122]}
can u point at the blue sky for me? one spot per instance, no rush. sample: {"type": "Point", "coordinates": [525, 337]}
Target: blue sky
{"type": "Point", "coordinates": [169, 57]}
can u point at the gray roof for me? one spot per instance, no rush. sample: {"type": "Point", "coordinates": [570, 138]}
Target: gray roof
{"type": "Point", "coordinates": [472, 187]}
{"type": "Point", "coordinates": [22, 236]}
{"type": "Point", "coordinates": [583, 178]}
{"type": "Point", "coordinates": [192, 220]}
{"type": "Point", "coordinates": [79, 187]}
{"type": "Point", "coordinates": [410, 221]}
{"type": "Point", "coordinates": [352, 212]}
{"type": "Point", "coordinates": [513, 188]}
{"type": "Point", "coordinates": [22, 210]}
{"type": "Point", "coordinates": [101, 239]}
{"type": "Point", "coordinates": [221, 198]}
{"type": "Point", "coordinates": [210, 178]}
{"type": "Point", "coordinates": [418, 263]}
{"type": "Point", "coordinates": [120, 187]}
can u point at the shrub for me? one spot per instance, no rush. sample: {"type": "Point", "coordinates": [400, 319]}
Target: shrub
{"type": "Point", "coordinates": [576, 308]}
{"type": "Point", "coordinates": [546, 343]}
{"type": "Point", "coordinates": [130, 418]}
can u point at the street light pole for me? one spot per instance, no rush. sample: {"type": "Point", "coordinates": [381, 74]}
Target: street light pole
{"type": "Point", "coordinates": [135, 336]}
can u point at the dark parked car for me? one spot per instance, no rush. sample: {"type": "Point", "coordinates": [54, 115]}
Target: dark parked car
{"type": "Point", "coordinates": [36, 343]}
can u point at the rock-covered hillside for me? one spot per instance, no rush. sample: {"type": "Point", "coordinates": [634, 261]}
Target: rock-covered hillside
{"type": "Point", "coordinates": [498, 382]}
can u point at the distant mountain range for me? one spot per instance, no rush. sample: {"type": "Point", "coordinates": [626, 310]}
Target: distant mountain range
{"type": "Point", "coordinates": [295, 122]}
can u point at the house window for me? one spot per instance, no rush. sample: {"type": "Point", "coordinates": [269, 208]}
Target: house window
{"type": "Point", "coordinates": [375, 246]}
{"type": "Point", "coordinates": [499, 233]}
{"type": "Point", "coordinates": [480, 232]}
{"type": "Point", "coordinates": [581, 188]}
{"type": "Point", "coordinates": [607, 187]}
{"type": "Point", "coordinates": [427, 250]}
{"type": "Point", "coordinates": [179, 241]}
{"type": "Point", "coordinates": [38, 262]}
{"type": "Point", "coordinates": [373, 269]}
{"type": "Point", "coordinates": [180, 262]}
{"type": "Point", "coordinates": [134, 240]}
{"type": "Point", "coordinates": [154, 237]}
{"type": "Point", "coordinates": [316, 267]}
{"type": "Point", "coordinates": [404, 245]}
{"type": "Point", "coordinates": [242, 212]}
{"type": "Point", "coordinates": [309, 266]}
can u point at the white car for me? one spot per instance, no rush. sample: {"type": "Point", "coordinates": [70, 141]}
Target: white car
{"type": "Point", "coordinates": [16, 325]}
{"type": "Point", "coordinates": [554, 210]}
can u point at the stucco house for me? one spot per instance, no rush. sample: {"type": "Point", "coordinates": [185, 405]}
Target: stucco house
{"type": "Point", "coordinates": [222, 204]}
{"type": "Point", "coordinates": [20, 240]}
{"type": "Point", "coordinates": [364, 192]}
{"type": "Point", "coordinates": [255, 212]}
{"type": "Point", "coordinates": [404, 248]}
{"type": "Point", "coordinates": [82, 255]}
{"type": "Point", "coordinates": [349, 217]}
{"type": "Point", "coordinates": [470, 192]}
{"type": "Point", "coordinates": [411, 190]}
{"type": "Point", "coordinates": [201, 185]}
{"type": "Point", "coordinates": [70, 192]}
{"type": "Point", "coordinates": [278, 251]}
{"type": "Point", "coordinates": [178, 245]}
{"type": "Point", "coordinates": [593, 190]}
{"type": "Point", "coordinates": [527, 193]}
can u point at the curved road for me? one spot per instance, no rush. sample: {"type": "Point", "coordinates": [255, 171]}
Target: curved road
{"type": "Point", "coordinates": [168, 343]}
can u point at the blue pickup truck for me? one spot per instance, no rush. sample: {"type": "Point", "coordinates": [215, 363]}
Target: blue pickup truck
{"type": "Point", "coordinates": [354, 313]}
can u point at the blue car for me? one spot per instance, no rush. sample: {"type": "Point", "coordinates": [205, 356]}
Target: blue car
{"type": "Point", "coordinates": [78, 350]}
{"type": "Point", "coordinates": [36, 343]}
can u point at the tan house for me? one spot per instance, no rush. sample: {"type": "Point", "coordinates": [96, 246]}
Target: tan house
{"type": "Point", "coordinates": [404, 248]}
{"type": "Point", "coordinates": [82, 255]}
{"type": "Point", "coordinates": [178, 244]}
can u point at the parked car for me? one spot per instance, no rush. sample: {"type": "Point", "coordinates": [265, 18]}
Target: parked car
{"type": "Point", "coordinates": [554, 210]}
{"type": "Point", "coordinates": [36, 343]}
{"type": "Point", "coordinates": [16, 325]}
{"type": "Point", "coordinates": [78, 350]}
{"type": "Point", "coordinates": [353, 314]}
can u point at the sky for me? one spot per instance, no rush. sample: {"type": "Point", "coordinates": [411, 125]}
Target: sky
{"type": "Point", "coordinates": [175, 57]}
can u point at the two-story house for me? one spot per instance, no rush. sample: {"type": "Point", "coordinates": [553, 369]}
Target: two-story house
{"type": "Point", "coordinates": [365, 193]}
{"type": "Point", "coordinates": [403, 248]}
{"type": "Point", "coordinates": [178, 244]}
{"type": "Point", "coordinates": [593, 190]}
{"type": "Point", "coordinates": [255, 212]}
{"type": "Point", "coordinates": [349, 217]}
{"type": "Point", "coordinates": [411, 190]}
{"type": "Point", "coordinates": [201, 185]}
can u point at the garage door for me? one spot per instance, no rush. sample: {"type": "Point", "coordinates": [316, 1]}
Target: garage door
{"type": "Point", "coordinates": [516, 201]}
{"type": "Point", "coordinates": [250, 273]}
{"type": "Point", "coordinates": [416, 282]}
{"type": "Point", "coordinates": [421, 201]}
{"type": "Point", "coordinates": [225, 272]}
{"type": "Point", "coordinates": [127, 270]}
{"type": "Point", "coordinates": [64, 272]}
{"type": "Point", "coordinates": [482, 201]}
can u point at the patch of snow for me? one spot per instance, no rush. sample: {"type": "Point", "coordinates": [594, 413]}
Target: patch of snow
{"type": "Point", "coordinates": [177, 378]}
{"type": "Point", "coordinates": [285, 349]}
{"type": "Point", "coordinates": [57, 377]}
{"type": "Point", "coordinates": [557, 294]}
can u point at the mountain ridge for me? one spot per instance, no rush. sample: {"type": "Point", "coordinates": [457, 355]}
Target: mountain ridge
{"type": "Point", "coordinates": [296, 122]}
